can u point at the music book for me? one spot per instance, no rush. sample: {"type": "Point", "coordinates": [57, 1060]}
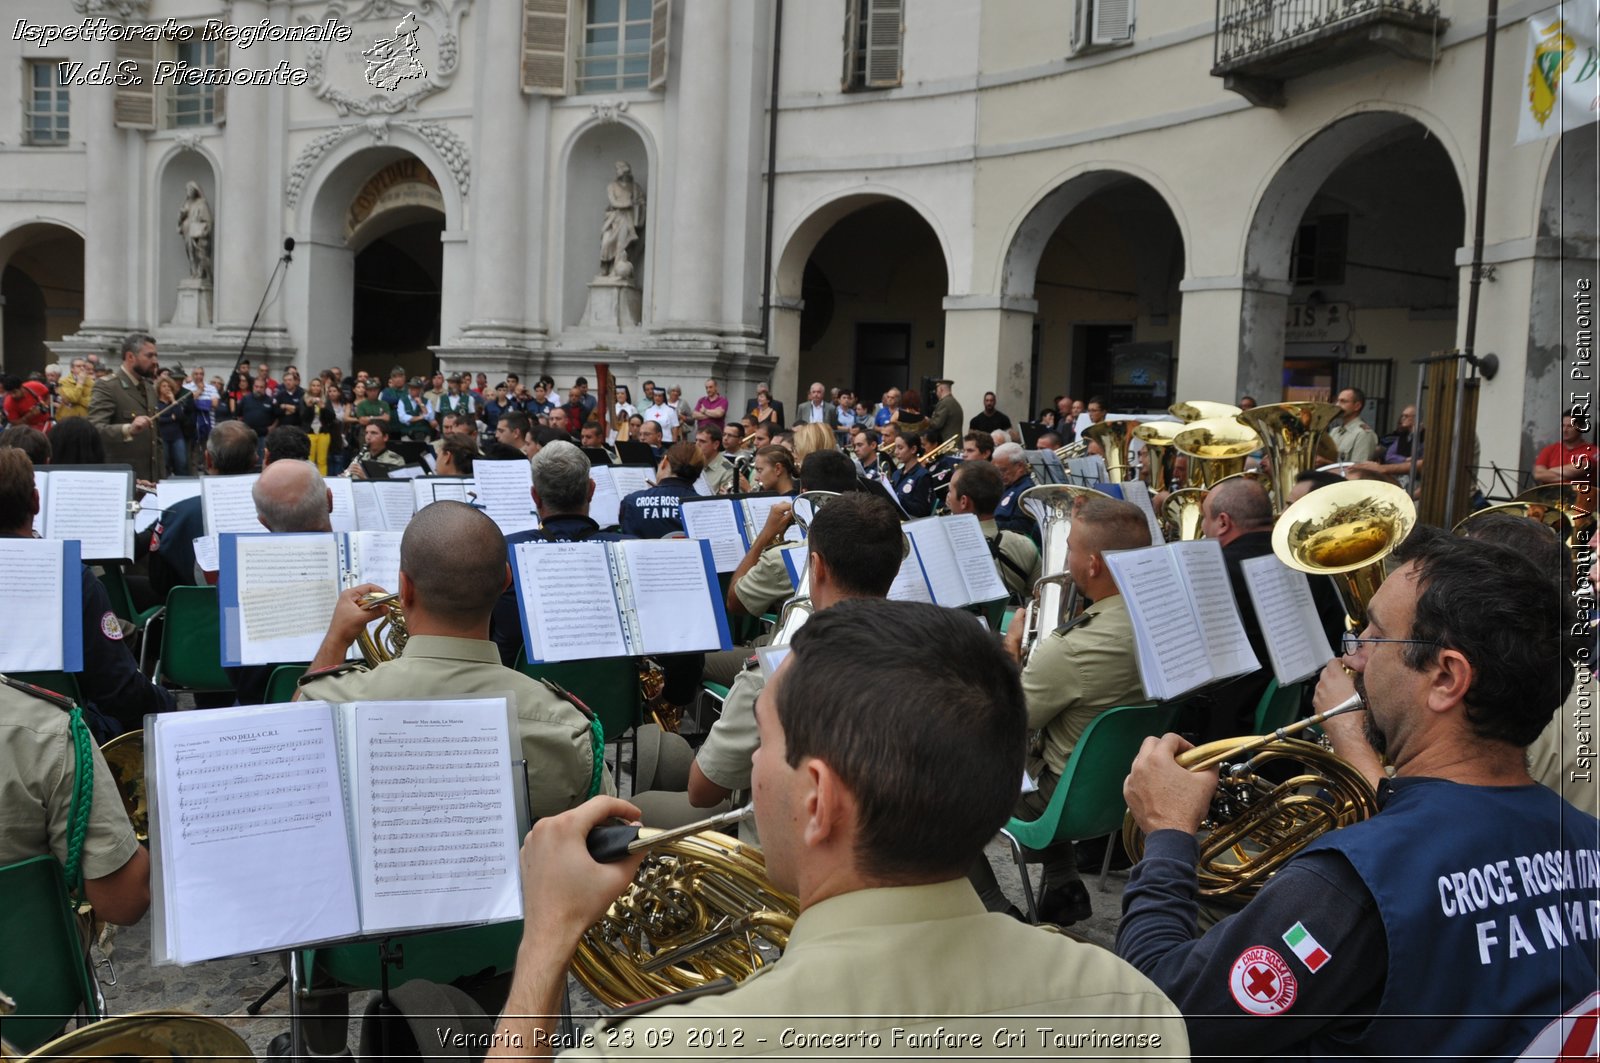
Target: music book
{"type": "Point", "coordinates": [277, 591]}
{"type": "Point", "coordinates": [1136, 492]}
{"type": "Point", "coordinates": [227, 505]}
{"type": "Point", "coordinates": [278, 826]}
{"type": "Point", "coordinates": [955, 560]}
{"type": "Point", "coordinates": [43, 629]}
{"type": "Point", "coordinates": [430, 489]}
{"type": "Point", "coordinates": [505, 491]}
{"type": "Point", "coordinates": [91, 506]}
{"type": "Point", "coordinates": [383, 505]}
{"type": "Point", "coordinates": [1297, 643]}
{"type": "Point", "coordinates": [730, 524]}
{"type": "Point", "coordinates": [584, 600]}
{"type": "Point", "coordinates": [343, 515]}
{"type": "Point", "coordinates": [1186, 625]}
{"type": "Point", "coordinates": [168, 493]}
{"type": "Point", "coordinates": [611, 484]}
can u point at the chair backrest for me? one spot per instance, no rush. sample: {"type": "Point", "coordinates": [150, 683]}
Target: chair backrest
{"type": "Point", "coordinates": [283, 682]}
{"type": "Point", "coordinates": [191, 641]}
{"type": "Point", "coordinates": [609, 686]}
{"type": "Point", "coordinates": [1278, 706]}
{"type": "Point", "coordinates": [42, 965]}
{"type": "Point", "coordinates": [1088, 800]}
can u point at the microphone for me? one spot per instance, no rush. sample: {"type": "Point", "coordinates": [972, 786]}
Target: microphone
{"type": "Point", "coordinates": [288, 248]}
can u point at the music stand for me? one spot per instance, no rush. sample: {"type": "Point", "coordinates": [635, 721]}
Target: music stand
{"type": "Point", "coordinates": [633, 452]}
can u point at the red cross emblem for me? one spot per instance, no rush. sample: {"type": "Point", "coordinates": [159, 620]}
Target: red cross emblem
{"type": "Point", "coordinates": [1262, 983]}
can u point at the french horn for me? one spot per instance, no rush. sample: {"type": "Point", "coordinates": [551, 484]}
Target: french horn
{"type": "Point", "coordinates": [171, 1037]}
{"type": "Point", "coordinates": [387, 639]}
{"type": "Point", "coordinates": [124, 755]}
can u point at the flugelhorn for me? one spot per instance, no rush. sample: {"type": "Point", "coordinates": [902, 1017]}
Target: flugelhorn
{"type": "Point", "coordinates": [949, 446]}
{"type": "Point", "coordinates": [1345, 530]}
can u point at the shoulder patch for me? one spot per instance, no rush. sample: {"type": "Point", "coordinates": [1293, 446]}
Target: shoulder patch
{"type": "Point", "coordinates": [1081, 620]}
{"type": "Point", "coordinates": [58, 700]}
{"type": "Point", "coordinates": [332, 670]}
{"type": "Point", "coordinates": [645, 1007]}
{"type": "Point", "coordinates": [111, 627]}
{"type": "Point", "coordinates": [1262, 983]}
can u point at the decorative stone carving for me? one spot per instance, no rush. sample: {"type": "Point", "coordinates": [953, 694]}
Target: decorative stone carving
{"type": "Point", "coordinates": [608, 110]}
{"type": "Point", "coordinates": [187, 141]}
{"type": "Point", "coordinates": [194, 225]}
{"type": "Point", "coordinates": [378, 127]}
{"type": "Point", "coordinates": [120, 9]}
{"type": "Point", "coordinates": [451, 148]}
{"type": "Point", "coordinates": [337, 69]}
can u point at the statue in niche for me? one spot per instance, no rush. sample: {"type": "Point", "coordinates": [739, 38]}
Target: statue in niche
{"type": "Point", "coordinates": [623, 222]}
{"type": "Point", "coordinates": [194, 225]}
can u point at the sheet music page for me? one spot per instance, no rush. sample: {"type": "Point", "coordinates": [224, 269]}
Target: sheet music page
{"type": "Point", "coordinates": [343, 516]}
{"type": "Point", "coordinates": [1210, 590]}
{"type": "Point", "coordinates": [717, 521]}
{"type": "Point", "coordinates": [41, 484]}
{"type": "Point", "coordinates": [398, 502]}
{"type": "Point", "coordinates": [977, 564]}
{"type": "Point", "coordinates": [169, 493]}
{"type": "Point", "coordinates": [702, 486]}
{"type": "Point", "coordinates": [1171, 651]}
{"type": "Point", "coordinates": [1136, 492]}
{"type": "Point", "coordinates": [249, 824]}
{"type": "Point", "coordinates": [91, 507]}
{"type": "Point", "coordinates": [429, 490]}
{"type": "Point", "coordinates": [30, 638]}
{"type": "Point", "coordinates": [369, 514]}
{"type": "Point", "coordinates": [205, 553]}
{"type": "Point", "coordinates": [505, 489]}
{"type": "Point", "coordinates": [288, 586]}
{"type": "Point", "coordinates": [631, 478]}
{"type": "Point", "coordinates": [377, 558]}
{"type": "Point", "coordinates": [938, 561]}
{"type": "Point", "coordinates": [436, 824]}
{"type": "Point", "coordinates": [1297, 643]}
{"type": "Point", "coordinates": [407, 472]}
{"type": "Point", "coordinates": [564, 593]}
{"type": "Point", "coordinates": [909, 584]}
{"type": "Point", "coordinates": [676, 608]}
{"type": "Point", "coordinates": [227, 506]}
{"type": "Point", "coordinates": [760, 506]}
{"type": "Point", "coordinates": [605, 505]}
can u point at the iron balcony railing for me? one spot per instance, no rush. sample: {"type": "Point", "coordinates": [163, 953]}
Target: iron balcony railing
{"type": "Point", "coordinates": [1247, 29]}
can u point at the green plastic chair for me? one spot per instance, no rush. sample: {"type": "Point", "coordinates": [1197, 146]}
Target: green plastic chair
{"type": "Point", "coordinates": [1278, 706]}
{"type": "Point", "coordinates": [1087, 802]}
{"type": "Point", "coordinates": [191, 642]}
{"type": "Point", "coordinates": [609, 686]}
{"type": "Point", "coordinates": [43, 965]}
{"type": "Point", "coordinates": [283, 682]}
{"type": "Point", "coordinates": [115, 581]}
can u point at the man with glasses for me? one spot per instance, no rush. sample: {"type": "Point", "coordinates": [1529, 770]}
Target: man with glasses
{"type": "Point", "coordinates": [1465, 915]}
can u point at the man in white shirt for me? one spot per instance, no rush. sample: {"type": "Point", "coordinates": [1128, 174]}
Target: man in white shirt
{"type": "Point", "coordinates": [817, 409]}
{"type": "Point", "coordinates": [662, 413]}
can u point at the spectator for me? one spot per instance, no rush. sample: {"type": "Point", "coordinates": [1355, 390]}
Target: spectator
{"type": "Point", "coordinates": [74, 391]}
{"type": "Point", "coordinates": [991, 418]}
{"type": "Point", "coordinates": [176, 425]}
{"type": "Point", "coordinates": [1572, 458]}
{"type": "Point", "coordinates": [26, 402]}
{"type": "Point", "coordinates": [320, 424]}
{"type": "Point", "coordinates": [663, 413]}
{"type": "Point", "coordinates": [764, 412]}
{"type": "Point", "coordinates": [711, 410]}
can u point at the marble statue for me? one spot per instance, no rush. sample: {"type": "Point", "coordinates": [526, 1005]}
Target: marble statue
{"type": "Point", "coordinates": [194, 225]}
{"type": "Point", "coordinates": [624, 219]}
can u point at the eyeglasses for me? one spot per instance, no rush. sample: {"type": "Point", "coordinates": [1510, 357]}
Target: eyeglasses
{"type": "Point", "coordinates": [1351, 645]}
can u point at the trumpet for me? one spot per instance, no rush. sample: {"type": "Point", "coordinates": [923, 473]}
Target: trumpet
{"type": "Point", "coordinates": [947, 447]}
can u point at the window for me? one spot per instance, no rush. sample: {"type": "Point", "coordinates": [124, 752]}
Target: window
{"type": "Point", "coordinates": [191, 105]}
{"type": "Point", "coordinates": [873, 31]}
{"type": "Point", "coordinates": [616, 46]}
{"type": "Point", "coordinates": [45, 119]}
{"type": "Point", "coordinates": [1102, 24]}
{"type": "Point", "coordinates": [1319, 251]}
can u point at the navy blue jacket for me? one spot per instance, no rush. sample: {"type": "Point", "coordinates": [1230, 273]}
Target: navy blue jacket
{"type": "Point", "coordinates": [652, 513]}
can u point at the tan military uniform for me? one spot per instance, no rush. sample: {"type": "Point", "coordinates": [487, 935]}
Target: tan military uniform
{"type": "Point", "coordinates": [116, 401]}
{"type": "Point", "coordinates": [1022, 553]}
{"type": "Point", "coordinates": [719, 473]}
{"type": "Point", "coordinates": [724, 757]}
{"type": "Point", "coordinates": [767, 585]}
{"type": "Point", "coordinates": [556, 739]}
{"type": "Point", "coordinates": [1553, 758]}
{"type": "Point", "coordinates": [945, 420]}
{"type": "Point", "coordinates": [880, 969]}
{"type": "Point", "coordinates": [1074, 676]}
{"type": "Point", "coordinates": [1355, 439]}
{"type": "Point", "coordinates": [37, 769]}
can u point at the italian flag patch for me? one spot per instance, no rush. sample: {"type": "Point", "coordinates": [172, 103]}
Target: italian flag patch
{"type": "Point", "coordinates": [1306, 947]}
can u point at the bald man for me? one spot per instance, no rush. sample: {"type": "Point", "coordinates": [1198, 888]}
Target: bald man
{"type": "Point", "coordinates": [291, 496]}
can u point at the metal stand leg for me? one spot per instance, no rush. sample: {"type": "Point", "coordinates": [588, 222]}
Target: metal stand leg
{"type": "Point", "coordinates": [297, 985]}
{"type": "Point", "coordinates": [1105, 864]}
{"type": "Point", "coordinates": [261, 1001]}
{"type": "Point", "coordinates": [1022, 869]}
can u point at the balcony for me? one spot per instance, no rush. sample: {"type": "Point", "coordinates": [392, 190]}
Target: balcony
{"type": "Point", "coordinates": [1260, 44]}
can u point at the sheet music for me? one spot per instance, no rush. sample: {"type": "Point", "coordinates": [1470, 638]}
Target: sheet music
{"type": "Point", "coordinates": [977, 564]}
{"type": "Point", "coordinates": [1297, 643]}
{"type": "Point", "coordinates": [377, 558]}
{"type": "Point", "coordinates": [606, 504]}
{"type": "Point", "coordinates": [702, 486]}
{"type": "Point", "coordinates": [631, 478]}
{"type": "Point", "coordinates": [398, 502]}
{"type": "Point", "coordinates": [250, 822]}
{"type": "Point", "coordinates": [567, 609]}
{"type": "Point", "coordinates": [369, 514]}
{"type": "Point", "coordinates": [407, 472]}
{"type": "Point", "coordinates": [1172, 652]}
{"type": "Point", "coordinates": [287, 588]}
{"type": "Point", "coordinates": [226, 504]}
{"type": "Point", "coordinates": [938, 561]}
{"type": "Point", "coordinates": [1201, 565]}
{"type": "Point", "coordinates": [91, 507]}
{"type": "Point", "coordinates": [718, 522]}
{"type": "Point", "coordinates": [505, 489]}
{"type": "Point", "coordinates": [31, 638]}
{"type": "Point", "coordinates": [909, 584]}
{"type": "Point", "coordinates": [760, 506]}
{"type": "Point", "coordinates": [205, 553]}
{"type": "Point", "coordinates": [169, 493]}
{"type": "Point", "coordinates": [1136, 492]}
{"type": "Point", "coordinates": [432, 792]}
{"type": "Point", "coordinates": [429, 490]}
{"type": "Point", "coordinates": [41, 484]}
{"type": "Point", "coordinates": [343, 515]}
{"type": "Point", "coordinates": [674, 605]}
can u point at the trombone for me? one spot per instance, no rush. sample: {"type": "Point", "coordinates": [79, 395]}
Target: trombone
{"type": "Point", "coordinates": [947, 447]}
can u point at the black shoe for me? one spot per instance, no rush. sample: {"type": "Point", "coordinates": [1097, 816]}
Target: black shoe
{"type": "Point", "coordinates": [278, 1047]}
{"type": "Point", "coordinates": [1065, 905]}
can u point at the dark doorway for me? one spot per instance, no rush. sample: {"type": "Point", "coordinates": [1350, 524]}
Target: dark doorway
{"type": "Point", "coordinates": [883, 359]}
{"type": "Point", "coordinates": [1092, 361]}
{"type": "Point", "coordinates": [397, 299]}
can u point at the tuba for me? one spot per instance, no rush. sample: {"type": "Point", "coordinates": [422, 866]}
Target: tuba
{"type": "Point", "coordinates": [1055, 595]}
{"type": "Point", "coordinates": [1216, 448]}
{"type": "Point", "coordinates": [1345, 530]}
{"type": "Point", "coordinates": [1182, 513]}
{"type": "Point", "coordinates": [387, 640]}
{"type": "Point", "coordinates": [1202, 410]}
{"type": "Point", "coordinates": [1290, 433]}
{"type": "Point", "coordinates": [1116, 443]}
{"type": "Point", "coordinates": [1158, 438]}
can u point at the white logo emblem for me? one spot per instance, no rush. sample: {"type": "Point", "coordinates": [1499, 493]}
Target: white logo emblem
{"type": "Point", "coordinates": [1262, 983]}
{"type": "Point", "coordinates": [393, 60]}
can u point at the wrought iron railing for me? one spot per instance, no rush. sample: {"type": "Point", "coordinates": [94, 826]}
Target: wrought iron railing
{"type": "Point", "coordinates": [1248, 27]}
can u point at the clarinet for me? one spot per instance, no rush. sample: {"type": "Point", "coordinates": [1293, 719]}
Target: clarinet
{"type": "Point", "coordinates": [361, 456]}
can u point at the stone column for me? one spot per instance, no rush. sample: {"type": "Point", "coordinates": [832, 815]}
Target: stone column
{"type": "Point", "coordinates": [988, 346]}
{"type": "Point", "coordinates": [692, 259]}
{"type": "Point", "coordinates": [1230, 341]}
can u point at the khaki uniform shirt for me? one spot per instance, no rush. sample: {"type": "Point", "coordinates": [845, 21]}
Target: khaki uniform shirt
{"type": "Point", "coordinates": [37, 768]}
{"type": "Point", "coordinates": [116, 401]}
{"type": "Point", "coordinates": [719, 473]}
{"type": "Point", "coordinates": [1355, 439]}
{"type": "Point", "coordinates": [724, 757]}
{"type": "Point", "coordinates": [1553, 758]}
{"type": "Point", "coordinates": [767, 585]}
{"type": "Point", "coordinates": [556, 740]}
{"type": "Point", "coordinates": [1073, 677]}
{"type": "Point", "coordinates": [879, 968]}
{"type": "Point", "coordinates": [945, 420]}
{"type": "Point", "coordinates": [1022, 552]}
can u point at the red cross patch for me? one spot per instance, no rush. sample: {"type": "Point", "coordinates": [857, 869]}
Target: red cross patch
{"type": "Point", "coordinates": [1262, 983]}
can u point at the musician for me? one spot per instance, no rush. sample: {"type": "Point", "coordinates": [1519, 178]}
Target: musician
{"type": "Point", "coordinates": [977, 446]}
{"type": "Point", "coordinates": [650, 435]}
{"type": "Point", "coordinates": [1460, 917]}
{"type": "Point", "coordinates": [653, 512]}
{"type": "Point", "coordinates": [946, 419]}
{"type": "Point", "coordinates": [718, 469]}
{"type": "Point", "coordinates": [455, 456]}
{"type": "Point", "coordinates": [1355, 438]}
{"type": "Point", "coordinates": [910, 483]}
{"type": "Point", "coordinates": [1011, 462]}
{"type": "Point", "coordinates": [514, 430]}
{"type": "Point", "coordinates": [230, 451]}
{"type": "Point", "coordinates": [775, 470]}
{"type": "Point", "coordinates": [975, 488]}
{"type": "Point", "coordinates": [376, 443]}
{"type": "Point", "coordinates": [1073, 674]}
{"type": "Point", "coordinates": [889, 936]}
{"type": "Point", "coordinates": [733, 437]}
{"type": "Point", "coordinates": [123, 407]}
{"type": "Point", "coordinates": [865, 449]}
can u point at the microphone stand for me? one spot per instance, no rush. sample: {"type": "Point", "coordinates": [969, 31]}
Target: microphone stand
{"type": "Point", "coordinates": [283, 261]}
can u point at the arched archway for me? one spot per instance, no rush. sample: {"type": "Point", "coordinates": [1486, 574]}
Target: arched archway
{"type": "Point", "coordinates": [41, 282]}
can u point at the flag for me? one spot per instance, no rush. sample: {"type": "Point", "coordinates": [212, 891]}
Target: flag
{"type": "Point", "coordinates": [1306, 947]}
{"type": "Point", "coordinates": [1558, 82]}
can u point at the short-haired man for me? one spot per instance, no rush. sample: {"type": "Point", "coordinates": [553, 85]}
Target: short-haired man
{"type": "Point", "coordinates": [1572, 458]}
{"type": "Point", "coordinates": [732, 437]}
{"type": "Point", "coordinates": [947, 418]}
{"type": "Point", "coordinates": [124, 409]}
{"type": "Point", "coordinates": [1461, 916]}
{"type": "Point", "coordinates": [1011, 462]}
{"type": "Point", "coordinates": [718, 470]}
{"type": "Point", "coordinates": [865, 449]}
{"type": "Point", "coordinates": [650, 435]}
{"type": "Point", "coordinates": [977, 446]}
{"type": "Point", "coordinates": [975, 488]}
{"type": "Point", "coordinates": [817, 409]}
{"type": "Point", "coordinates": [889, 936]}
{"type": "Point", "coordinates": [286, 442]}
{"type": "Point", "coordinates": [514, 429]}
{"type": "Point", "coordinates": [1354, 437]}
{"type": "Point", "coordinates": [1073, 674]}
{"type": "Point", "coordinates": [376, 442]}
{"type": "Point", "coordinates": [1096, 409]}
{"type": "Point", "coordinates": [418, 419]}
{"type": "Point", "coordinates": [27, 402]}
{"type": "Point", "coordinates": [990, 419]}
{"type": "Point", "coordinates": [231, 450]}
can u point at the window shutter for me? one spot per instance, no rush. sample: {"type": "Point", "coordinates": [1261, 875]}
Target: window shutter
{"type": "Point", "coordinates": [660, 39]}
{"type": "Point", "coordinates": [544, 47]}
{"type": "Point", "coordinates": [1111, 21]}
{"type": "Point", "coordinates": [883, 43]}
{"type": "Point", "coordinates": [135, 106]}
{"type": "Point", "coordinates": [219, 94]}
{"type": "Point", "coordinates": [852, 18]}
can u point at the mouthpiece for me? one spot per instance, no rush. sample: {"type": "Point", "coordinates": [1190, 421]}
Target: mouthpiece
{"type": "Point", "coordinates": [608, 844]}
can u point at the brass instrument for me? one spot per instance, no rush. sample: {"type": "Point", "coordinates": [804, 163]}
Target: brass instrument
{"type": "Point", "coordinates": [1116, 443]}
{"type": "Point", "coordinates": [1345, 530]}
{"type": "Point", "coordinates": [700, 908]}
{"type": "Point", "coordinates": [1216, 448]}
{"type": "Point", "coordinates": [1550, 516]}
{"type": "Point", "coordinates": [1259, 819]}
{"type": "Point", "coordinates": [1078, 448]}
{"type": "Point", "coordinates": [1158, 437]}
{"type": "Point", "coordinates": [1574, 501]}
{"type": "Point", "coordinates": [949, 446]}
{"type": "Point", "coordinates": [124, 755]}
{"type": "Point", "coordinates": [1290, 433]}
{"type": "Point", "coordinates": [388, 640]}
{"type": "Point", "coordinates": [170, 1036]}
{"type": "Point", "coordinates": [1202, 410]}
{"type": "Point", "coordinates": [797, 610]}
{"type": "Point", "coordinates": [1054, 595]}
{"type": "Point", "coordinates": [1182, 513]}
